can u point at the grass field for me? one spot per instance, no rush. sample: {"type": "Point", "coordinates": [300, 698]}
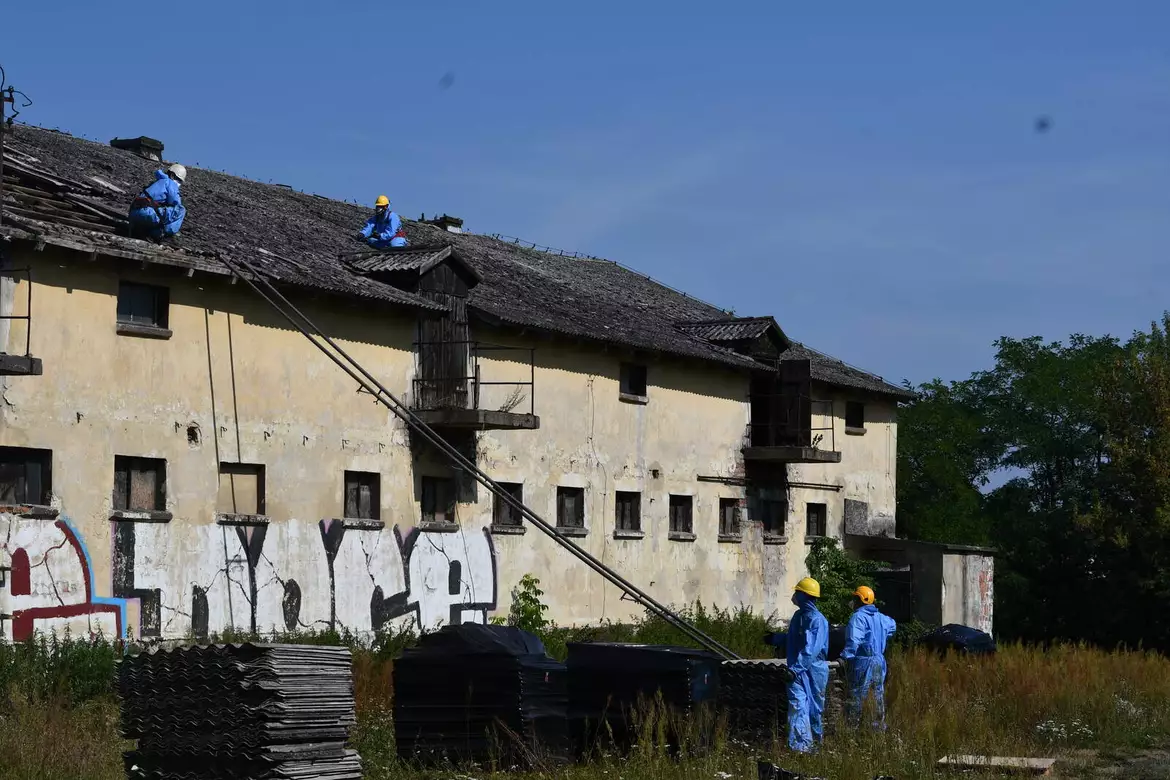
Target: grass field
{"type": "Point", "coordinates": [1096, 710]}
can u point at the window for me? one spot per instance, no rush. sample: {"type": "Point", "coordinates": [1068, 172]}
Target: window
{"type": "Point", "coordinates": [143, 304]}
{"type": "Point", "coordinates": [362, 495]}
{"type": "Point", "coordinates": [139, 484]}
{"type": "Point", "coordinates": [628, 511]}
{"type": "Point", "coordinates": [241, 489]}
{"type": "Point", "coordinates": [504, 514]}
{"type": "Point", "coordinates": [816, 520]}
{"type": "Point", "coordinates": [729, 517]}
{"type": "Point", "coordinates": [26, 475]}
{"type": "Point", "coordinates": [773, 513]}
{"type": "Point", "coordinates": [438, 500]}
{"type": "Point", "coordinates": [570, 507]}
{"type": "Point", "coordinates": [681, 514]}
{"type": "Point", "coordinates": [855, 415]}
{"type": "Point", "coordinates": [633, 380]}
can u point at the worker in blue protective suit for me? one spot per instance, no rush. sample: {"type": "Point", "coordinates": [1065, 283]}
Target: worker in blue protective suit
{"type": "Point", "coordinates": [384, 229]}
{"type": "Point", "coordinates": [807, 643]}
{"type": "Point", "coordinates": [864, 656]}
{"type": "Point", "coordinates": [158, 210]}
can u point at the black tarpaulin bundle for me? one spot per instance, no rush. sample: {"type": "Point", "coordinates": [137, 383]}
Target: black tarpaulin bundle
{"type": "Point", "coordinates": [239, 711]}
{"type": "Point", "coordinates": [612, 685]}
{"type": "Point", "coordinates": [480, 693]}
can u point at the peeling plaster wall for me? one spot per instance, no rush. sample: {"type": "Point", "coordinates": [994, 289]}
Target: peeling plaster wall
{"type": "Point", "coordinates": [968, 593]}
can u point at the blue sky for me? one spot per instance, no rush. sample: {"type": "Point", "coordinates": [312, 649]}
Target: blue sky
{"type": "Point", "coordinates": [867, 173]}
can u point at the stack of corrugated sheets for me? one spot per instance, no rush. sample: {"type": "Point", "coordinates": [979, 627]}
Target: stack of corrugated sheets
{"type": "Point", "coordinates": [239, 711]}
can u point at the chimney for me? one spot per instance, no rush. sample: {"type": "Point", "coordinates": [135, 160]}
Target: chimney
{"type": "Point", "coordinates": [143, 146]}
{"type": "Point", "coordinates": [448, 223]}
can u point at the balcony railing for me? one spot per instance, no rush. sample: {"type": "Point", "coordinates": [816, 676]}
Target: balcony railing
{"type": "Point", "coordinates": [16, 364]}
{"type": "Point", "coordinates": [452, 380]}
{"type": "Point", "coordinates": [793, 428]}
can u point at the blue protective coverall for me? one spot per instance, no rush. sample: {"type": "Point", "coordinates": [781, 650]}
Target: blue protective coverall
{"type": "Point", "coordinates": [866, 636]}
{"type": "Point", "coordinates": [384, 230]}
{"type": "Point", "coordinates": [165, 215]}
{"type": "Point", "coordinates": [808, 660]}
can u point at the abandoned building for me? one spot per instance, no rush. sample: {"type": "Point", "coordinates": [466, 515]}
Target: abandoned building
{"type": "Point", "coordinates": [176, 460]}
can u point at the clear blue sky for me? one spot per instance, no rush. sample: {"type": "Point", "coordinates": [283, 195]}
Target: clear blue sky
{"type": "Point", "coordinates": [869, 174]}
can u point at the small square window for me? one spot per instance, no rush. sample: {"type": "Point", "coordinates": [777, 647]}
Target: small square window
{"type": "Point", "coordinates": [139, 484]}
{"type": "Point", "coordinates": [816, 520]}
{"type": "Point", "coordinates": [26, 476]}
{"type": "Point", "coordinates": [503, 513]}
{"type": "Point", "coordinates": [241, 489]}
{"type": "Point", "coordinates": [570, 507]}
{"type": "Point", "coordinates": [363, 494]}
{"type": "Point", "coordinates": [681, 517]}
{"type": "Point", "coordinates": [855, 415]}
{"type": "Point", "coordinates": [143, 304]}
{"type": "Point", "coordinates": [729, 517]}
{"type": "Point", "coordinates": [773, 513]}
{"type": "Point", "coordinates": [633, 380]}
{"type": "Point", "coordinates": [438, 500]}
{"type": "Point", "coordinates": [628, 511]}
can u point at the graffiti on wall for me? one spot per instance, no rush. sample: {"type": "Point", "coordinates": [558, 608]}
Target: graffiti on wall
{"type": "Point", "coordinates": [196, 580]}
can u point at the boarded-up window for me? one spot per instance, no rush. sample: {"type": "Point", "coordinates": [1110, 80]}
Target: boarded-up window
{"type": "Point", "coordinates": [816, 520]}
{"type": "Point", "coordinates": [241, 489]}
{"type": "Point", "coordinates": [139, 484]}
{"type": "Point", "coordinates": [26, 475]}
{"type": "Point", "coordinates": [504, 513]}
{"type": "Point", "coordinates": [438, 500]}
{"type": "Point", "coordinates": [729, 517]}
{"type": "Point", "coordinates": [628, 511]}
{"type": "Point", "coordinates": [570, 507]}
{"type": "Point", "coordinates": [362, 495]}
{"type": "Point", "coordinates": [681, 520]}
{"type": "Point", "coordinates": [143, 304]}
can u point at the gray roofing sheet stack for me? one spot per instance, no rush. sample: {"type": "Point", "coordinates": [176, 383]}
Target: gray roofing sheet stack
{"type": "Point", "coordinates": [239, 711]}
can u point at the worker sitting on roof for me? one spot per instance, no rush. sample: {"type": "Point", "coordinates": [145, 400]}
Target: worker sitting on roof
{"type": "Point", "coordinates": [384, 229]}
{"type": "Point", "coordinates": [158, 210]}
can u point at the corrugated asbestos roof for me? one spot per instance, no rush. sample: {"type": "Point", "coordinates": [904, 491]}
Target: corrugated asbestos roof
{"type": "Point", "coordinates": [730, 329]}
{"type": "Point", "coordinates": [299, 239]}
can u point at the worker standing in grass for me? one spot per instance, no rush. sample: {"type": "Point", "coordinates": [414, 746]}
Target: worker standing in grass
{"type": "Point", "coordinates": [158, 210]}
{"type": "Point", "coordinates": [807, 642]}
{"type": "Point", "coordinates": [864, 655]}
{"type": "Point", "coordinates": [384, 229]}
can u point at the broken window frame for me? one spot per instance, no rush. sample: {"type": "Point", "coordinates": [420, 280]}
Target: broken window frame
{"type": "Point", "coordinates": [682, 514]}
{"type": "Point", "coordinates": [816, 519]}
{"type": "Point", "coordinates": [155, 298]}
{"type": "Point", "coordinates": [773, 515]}
{"type": "Point", "coordinates": [854, 416]}
{"type": "Point", "coordinates": [633, 380]}
{"type": "Point", "coordinates": [131, 469]}
{"type": "Point", "coordinates": [352, 498]}
{"type": "Point", "coordinates": [571, 507]}
{"type": "Point", "coordinates": [433, 492]}
{"type": "Point", "coordinates": [31, 471]}
{"type": "Point", "coordinates": [627, 511]}
{"type": "Point", "coordinates": [729, 518]}
{"type": "Point", "coordinates": [243, 470]}
{"type": "Point", "coordinates": [504, 514]}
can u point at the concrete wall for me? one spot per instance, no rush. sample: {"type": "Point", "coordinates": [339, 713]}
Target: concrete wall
{"type": "Point", "coordinates": [968, 590]}
{"type": "Point", "coordinates": [235, 384]}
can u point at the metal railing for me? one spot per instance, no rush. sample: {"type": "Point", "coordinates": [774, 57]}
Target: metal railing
{"type": "Point", "coordinates": [787, 426]}
{"type": "Point", "coordinates": [440, 390]}
{"type": "Point", "coordinates": [27, 317]}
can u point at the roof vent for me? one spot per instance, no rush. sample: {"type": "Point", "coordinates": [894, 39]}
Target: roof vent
{"type": "Point", "coordinates": [149, 148]}
{"type": "Point", "coordinates": [446, 222]}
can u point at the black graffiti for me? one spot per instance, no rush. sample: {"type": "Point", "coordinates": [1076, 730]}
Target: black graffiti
{"type": "Point", "coordinates": [291, 605]}
{"type": "Point", "coordinates": [252, 540]}
{"type": "Point", "coordinates": [332, 532]}
{"type": "Point", "coordinates": [150, 599]}
{"type": "Point", "coordinates": [200, 613]}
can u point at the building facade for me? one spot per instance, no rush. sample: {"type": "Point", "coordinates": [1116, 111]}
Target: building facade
{"type": "Point", "coordinates": [176, 459]}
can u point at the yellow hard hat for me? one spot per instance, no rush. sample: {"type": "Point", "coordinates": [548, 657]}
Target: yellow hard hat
{"type": "Point", "coordinates": [865, 593]}
{"type": "Point", "coordinates": [382, 201]}
{"type": "Point", "coordinates": [810, 586]}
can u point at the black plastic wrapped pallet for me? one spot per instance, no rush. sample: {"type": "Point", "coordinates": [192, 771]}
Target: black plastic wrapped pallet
{"type": "Point", "coordinates": [480, 693]}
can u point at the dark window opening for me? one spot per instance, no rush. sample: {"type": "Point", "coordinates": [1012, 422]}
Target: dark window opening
{"type": "Point", "coordinates": [241, 489]}
{"type": "Point", "coordinates": [26, 476]}
{"type": "Point", "coordinates": [629, 511]}
{"type": "Point", "coordinates": [438, 500]}
{"type": "Point", "coordinates": [503, 512]}
{"type": "Point", "coordinates": [363, 495]}
{"type": "Point", "coordinates": [140, 484]}
{"type": "Point", "coordinates": [854, 415]}
{"type": "Point", "coordinates": [729, 517]}
{"type": "Point", "coordinates": [570, 507]}
{"type": "Point", "coordinates": [143, 304]}
{"type": "Point", "coordinates": [633, 379]}
{"type": "Point", "coordinates": [773, 513]}
{"type": "Point", "coordinates": [681, 514]}
{"type": "Point", "coordinates": [816, 520]}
